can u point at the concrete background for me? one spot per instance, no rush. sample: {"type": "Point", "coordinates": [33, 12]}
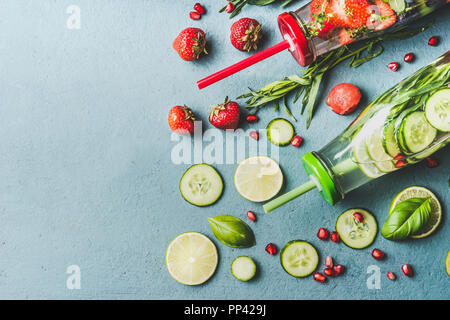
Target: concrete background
{"type": "Point", "coordinates": [86, 176]}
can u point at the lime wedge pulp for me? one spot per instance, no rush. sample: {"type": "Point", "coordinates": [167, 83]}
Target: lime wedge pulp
{"type": "Point", "coordinates": [191, 258]}
{"type": "Point", "coordinates": [258, 178]}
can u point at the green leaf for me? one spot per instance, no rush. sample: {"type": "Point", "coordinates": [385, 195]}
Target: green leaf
{"type": "Point", "coordinates": [407, 218]}
{"type": "Point", "coordinates": [312, 98]}
{"type": "Point", "coordinates": [232, 231]}
{"type": "Point", "coordinates": [287, 110]}
{"type": "Point", "coordinates": [397, 5]}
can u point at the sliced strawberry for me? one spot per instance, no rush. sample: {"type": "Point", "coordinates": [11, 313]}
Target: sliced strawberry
{"type": "Point", "coordinates": [317, 7]}
{"type": "Point", "coordinates": [382, 16]}
{"type": "Point", "coordinates": [349, 13]}
{"type": "Point", "coordinates": [320, 22]}
{"type": "Point", "coordinates": [336, 13]}
{"type": "Point", "coordinates": [345, 37]}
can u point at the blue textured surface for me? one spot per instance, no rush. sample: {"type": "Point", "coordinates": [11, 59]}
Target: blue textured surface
{"type": "Point", "coordinates": [86, 176]}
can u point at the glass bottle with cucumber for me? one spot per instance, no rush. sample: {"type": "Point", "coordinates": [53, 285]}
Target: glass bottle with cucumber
{"type": "Point", "coordinates": [403, 126]}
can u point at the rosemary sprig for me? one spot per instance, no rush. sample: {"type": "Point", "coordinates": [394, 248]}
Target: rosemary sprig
{"type": "Point", "coordinates": [239, 4]}
{"type": "Point", "coordinates": [309, 83]}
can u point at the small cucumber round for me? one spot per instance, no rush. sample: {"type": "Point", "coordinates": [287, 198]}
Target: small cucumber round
{"type": "Point", "coordinates": [299, 258]}
{"type": "Point", "coordinates": [437, 110]}
{"type": "Point", "coordinates": [201, 185]}
{"type": "Point", "coordinates": [417, 133]}
{"type": "Point", "coordinates": [243, 268]}
{"type": "Point", "coordinates": [280, 131]}
{"type": "Point", "coordinates": [357, 235]}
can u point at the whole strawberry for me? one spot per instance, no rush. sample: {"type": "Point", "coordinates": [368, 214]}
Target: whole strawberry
{"type": "Point", "coordinates": [226, 115]}
{"type": "Point", "coordinates": [245, 34]}
{"type": "Point", "coordinates": [181, 120]}
{"type": "Point", "coordinates": [190, 43]}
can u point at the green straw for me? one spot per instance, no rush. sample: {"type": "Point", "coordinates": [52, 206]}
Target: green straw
{"type": "Point", "coordinates": [275, 203]}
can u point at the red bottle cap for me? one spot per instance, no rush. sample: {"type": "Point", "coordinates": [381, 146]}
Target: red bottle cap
{"type": "Point", "coordinates": [291, 31]}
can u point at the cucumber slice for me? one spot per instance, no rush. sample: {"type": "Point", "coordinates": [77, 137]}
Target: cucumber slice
{"type": "Point", "coordinates": [299, 258]}
{"type": "Point", "coordinates": [243, 268]}
{"type": "Point", "coordinates": [399, 122]}
{"type": "Point", "coordinates": [280, 132]}
{"type": "Point", "coordinates": [375, 149]}
{"type": "Point", "coordinates": [201, 185]}
{"type": "Point", "coordinates": [437, 110]}
{"type": "Point", "coordinates": [416, 132]}
{"type": "Point", "coordinates": [362, 159]}
{"type": "Point", "coordinates": [357, 235]}
{"type": "Point", "coordinates": [389, 142]}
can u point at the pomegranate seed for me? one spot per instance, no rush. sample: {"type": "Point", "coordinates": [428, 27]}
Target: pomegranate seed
{"type": "Point", "coordinates": [252, 118]}
{"type": "Point", "coordinates": [254, 135]}
{"type": "Point", "coordinates": [400, 156]}
{"type": "Point", "coordinates": [319, 277]}
{"type": "Point", "coordinates": [322, 234]}
{"type": "Point", "coordinates": [334, 236]}
{"type": "Point", "coordinates": [296, 141]}
{"type": "Point", "coordinates": [393, 66]}
{"type": "Point", "coordinates": [378, 254]}
{"type": "Point", "coordinates": [359, 217]}
{"type": "Point", "coordinates": [271, 249]}
{"type": "Point", "coordinates": [230, 8]}
{"type": "Point", "coordinates": [251, 216]}
{"type": "Point", "coordinates": [198, 7]}
{"type": "Point", "coordinates": [400, 164]}
{"type": "Point", "coordinates": [391, 276]}
{"type": "Point", "coordinates": [407, 270]}
{"type": "Point", "coordinates": [409, 57]}
{"type": "Point", "coordinates": [338, 269]}
{"type": "Point", "coordinates": [329, 272]}
{"type": "Point", "coordinates": [329, 262]}
{"type": "Point", "coordinates": [431, 163]}
{"type": "Point", "coordinates": [433, 41]}
{"type": "Point", "coordinates": [194, 15]}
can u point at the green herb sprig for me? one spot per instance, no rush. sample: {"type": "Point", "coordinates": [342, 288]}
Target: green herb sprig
{"type": "Point", "coordinates": [309, 83]}
{"type": "Point", "coordinates": [239, 4]}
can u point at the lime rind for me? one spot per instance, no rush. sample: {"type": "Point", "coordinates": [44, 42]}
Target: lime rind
{"type": "Point", "coordinates": [447, 263]}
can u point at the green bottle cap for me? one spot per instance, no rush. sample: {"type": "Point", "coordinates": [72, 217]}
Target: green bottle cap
{"type": "Point", "coordinates": [318, 172]}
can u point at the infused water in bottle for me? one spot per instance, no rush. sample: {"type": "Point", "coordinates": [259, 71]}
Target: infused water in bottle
{"type": "Point", "coordinates": [403, 126]}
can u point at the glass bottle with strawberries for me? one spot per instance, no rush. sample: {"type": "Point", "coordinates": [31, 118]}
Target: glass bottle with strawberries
{"type": "Point", "coordinates": [324, 25]}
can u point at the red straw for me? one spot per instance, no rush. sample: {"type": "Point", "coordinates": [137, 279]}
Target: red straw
{"type": "Point", "coordinates": [243, 64]}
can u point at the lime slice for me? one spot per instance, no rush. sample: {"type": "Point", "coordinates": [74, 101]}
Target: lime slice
{"type": "Point", "coordinates": [258, 178]}
{"type": "Point", "coordinates": [436, 209]}
{"type": "Point", "coordinates": [375, 149]}
{"type": "Point", "coordinates": [362, 158]}
{"type": "Point", "coordinates": [447, 263]}
{"type": "Point", "coordinates": [191, 258]}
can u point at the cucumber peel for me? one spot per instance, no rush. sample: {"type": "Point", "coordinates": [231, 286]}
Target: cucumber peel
{"type": "Point", "coordinates": [357, 235]}
{"type": "Point", "coordinates": [243, 268]}
{"type": "Point", "coordinates": [299, 258]}
{"type": "Point", "coordinates": [280, 132]}
{"type": "Point", "coordinates": [201, 185]}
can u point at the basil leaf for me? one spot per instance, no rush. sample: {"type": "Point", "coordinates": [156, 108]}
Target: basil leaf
{"type": "Point", "coordinates": [232, 231]}
{"type": "Point", "coordinates": [407, 218]}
